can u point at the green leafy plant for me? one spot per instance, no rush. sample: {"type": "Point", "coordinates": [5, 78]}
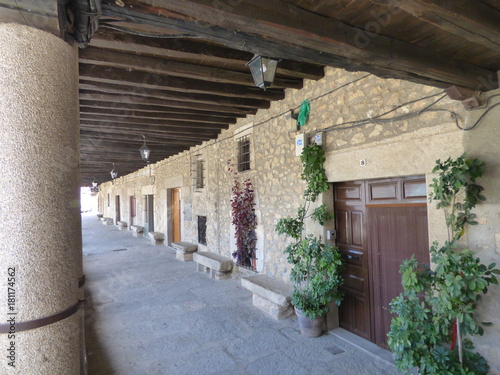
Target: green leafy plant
{"type": "Point", "coordinates": [436, 310]}
{"type": "Point", "coordinates": [316, 266]}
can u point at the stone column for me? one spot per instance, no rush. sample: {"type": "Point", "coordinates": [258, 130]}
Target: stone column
{"type": "Point", "coordinates": [40, 229]}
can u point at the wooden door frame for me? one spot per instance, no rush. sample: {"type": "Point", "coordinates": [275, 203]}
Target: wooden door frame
{"type": "Point", "coordinates": [169, 216]}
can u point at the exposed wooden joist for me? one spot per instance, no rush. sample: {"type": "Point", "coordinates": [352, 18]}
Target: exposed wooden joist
{"type": "Point", "coordinates": [90, 87]}
{"type": "Point", "coordinates": [192, 49]}
{"type": "Point", "coordinates": [102, 137]}
{"type": "Point", "coordinates": [166, 123]}
{"type": "Point", "coordinates": [154, 108]}
{"type": "Point", "coordinates": [138, 79]}
{"type": "Point", "coordinates": [157, 115]}
{"type": "Point", "coordinates": [468, 19]}
{"type": "Point", "coordinates": [131, 128]}
{"type": "Point", "coordinates": [283, 30]}
{"type": "Point", "coordinates": [101, 57]}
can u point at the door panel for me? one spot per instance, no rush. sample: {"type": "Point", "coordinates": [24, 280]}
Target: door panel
{"type": "Point", "coordinates": [117, 209]}
{"type": "Point", "coordinates": [349, 214]}
{"type": "Point", "coordinates": [396, 233]}
{"type": "Point", "coordinates": [176, 215]}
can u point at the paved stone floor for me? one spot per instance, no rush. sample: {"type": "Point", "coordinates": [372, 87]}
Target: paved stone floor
{"type": "Point", "coordinates": [150, 314]}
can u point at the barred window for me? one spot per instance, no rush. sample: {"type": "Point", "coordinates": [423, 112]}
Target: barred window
{"type": "Point", "coordinates": [244, 154]}
{"type": "Point", "coordinates": [202, 230]}
{"type": "Point", "coordinates": [200, 174]}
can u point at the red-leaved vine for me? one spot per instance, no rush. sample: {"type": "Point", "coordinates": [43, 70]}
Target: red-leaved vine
{"type": "Point", "coordinates": [244, 220]}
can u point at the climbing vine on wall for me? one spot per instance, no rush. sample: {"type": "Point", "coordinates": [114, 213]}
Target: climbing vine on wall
{"type": "Point", "coordinates": [243, 219]}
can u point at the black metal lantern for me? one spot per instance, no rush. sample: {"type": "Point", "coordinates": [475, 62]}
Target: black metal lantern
{"type": "Point", "coordinates": [94, 184]}
{"type": "Point", "coordinates": [144, 150]}
{"type": "Point", "coordinates": [113, 173]}
{"type": "Point", "coordinates": [263, 70]}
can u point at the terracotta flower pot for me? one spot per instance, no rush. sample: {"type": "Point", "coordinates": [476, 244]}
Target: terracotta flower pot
{"type": "Point", "coordinates": [311, 327]}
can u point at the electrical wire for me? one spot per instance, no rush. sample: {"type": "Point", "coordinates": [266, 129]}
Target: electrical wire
{"type": "Point", "coordinates": [22, 15]}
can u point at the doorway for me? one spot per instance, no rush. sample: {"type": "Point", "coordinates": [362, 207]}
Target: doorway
{"type": "Point", "coordinates": [117, 209]}
{"type": "Point", "coordinates": [176, 215]}
{"type": "Point", "coordinates": [132, 210]}
{"type": "Point", "coordinates": [379, 224]}
{"type": "Point", "coordinates": [149, 218]}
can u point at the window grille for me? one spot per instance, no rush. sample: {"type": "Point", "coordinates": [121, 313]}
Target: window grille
{"type": "Point", "coordinates": [244, 154]}
{"type": "Point", "coordinates": [202, 230]}
{"type": "Point", "coordinates": [197, 173]}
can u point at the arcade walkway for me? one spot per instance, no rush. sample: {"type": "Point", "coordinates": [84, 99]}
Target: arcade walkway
{"type": "Point", "coordinates": [149, 314]}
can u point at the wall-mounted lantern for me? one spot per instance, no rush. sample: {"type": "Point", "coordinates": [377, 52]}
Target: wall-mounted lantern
{"type": "Point", "coordinates": [144, 150]}
{"type": "Point", "coordinates": [114, 174]}
{"type": "Point", "coordinates": [263, 70]}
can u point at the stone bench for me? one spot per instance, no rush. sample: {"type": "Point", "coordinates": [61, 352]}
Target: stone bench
{"type": "Point", "coordinates": [270, 295]}
{"type": "Point", "coordinates": [99, 216]}
{"type": "Point", "coordinates": [219, 267]}
{"type": "Point", "coordinates": [122, 225]}
{"type": "Point", "coordinates": [184, 250]}
{"type": "Point", "coordinates": [107, 221]}
{"type": "Point", "coordinates": [156, 238]}
{"type": "Point", "coordinates": [137, 230]}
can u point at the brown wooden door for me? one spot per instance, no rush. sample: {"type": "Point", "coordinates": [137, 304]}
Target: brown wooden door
{"type": "Point", "coordinates": [176, 215]}
{"type": "Point", "coordinates": [379, 224]}
{"type": "Point", "coordinates": [396, 233]}
{"type": "Point", "coordinates": [351, 240]}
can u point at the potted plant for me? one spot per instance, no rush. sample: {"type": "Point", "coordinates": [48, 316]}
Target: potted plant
{"type": "Point", "coordinates": [317, 266]}
{"type": "Point", "coordinates": [434, 320]}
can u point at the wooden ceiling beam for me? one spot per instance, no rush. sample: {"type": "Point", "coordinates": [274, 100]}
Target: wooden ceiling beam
{"type": "Point", "coordinates": [124, 89]}
{"type": "Point", "coordinates": [132, 100]}
{"type": "Point", "coordinates": [172, 124]}
{"type": "Point", "coordinates": [189, 85]}
{"type": "Point", "coordinates": [126, 128]}
{"type": "Point", "coordinates": [282, 30]}
{"type": "Point", "coordinates": [468, 19]}
{"type": "Point", "coordinates": [192, 49]}
{"type": "Point", "coordinates": [157, 115]}
{"type": "Point", "coordinates": [113, 137]}
{"type": "Point", "coordinates": [154, 108]}
{"type": "Point", "coordinates": [154, 65]}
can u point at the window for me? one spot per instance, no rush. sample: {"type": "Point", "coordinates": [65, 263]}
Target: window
{"type": "Point", "coordinates": [202, 230]}
{"type": "Point", "coordinates": [109, 201]}
{"type": "Point", "coordinates": [244, 154]}
{"type": "Point", "coordinates": [200, 174]}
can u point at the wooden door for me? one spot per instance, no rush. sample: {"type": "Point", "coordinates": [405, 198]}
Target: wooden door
{"type": "Point", "coordinates": [149, 218]}
{"type": "Point", "coordinates": [379, 224]}
{"type": "Point", "coordinates": [176, 215]}
{"type": "Point", "coordinates": [117, 209]}
{"type": "Point", "coordinates": [351, 240]}
{"type": "Point", "coordinates": [397, 229]}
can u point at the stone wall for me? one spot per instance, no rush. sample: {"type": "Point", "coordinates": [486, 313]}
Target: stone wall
{"type": "Point", "coordinates": [341, 104]}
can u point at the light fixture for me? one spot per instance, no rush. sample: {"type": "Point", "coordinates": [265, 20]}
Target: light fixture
{"type": "Point", "coordinates": [113, 173]}
{"type": "Point", "coordinates": [263, 70]}
{"type": "Point", "coordinates": [94, 183]}
{"type": "Point", "coordinates": [144, 150]}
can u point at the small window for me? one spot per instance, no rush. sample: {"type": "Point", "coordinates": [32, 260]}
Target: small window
{"type": "Point", "coordinates": [202, 230]}
{"type": "Point", "coordinates": [200, 174]}
{"type": "Point", "coordinates": [244, 154]}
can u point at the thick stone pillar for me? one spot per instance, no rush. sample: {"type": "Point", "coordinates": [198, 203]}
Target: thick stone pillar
{"type": "Point", "coordinates": [40, 235]}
